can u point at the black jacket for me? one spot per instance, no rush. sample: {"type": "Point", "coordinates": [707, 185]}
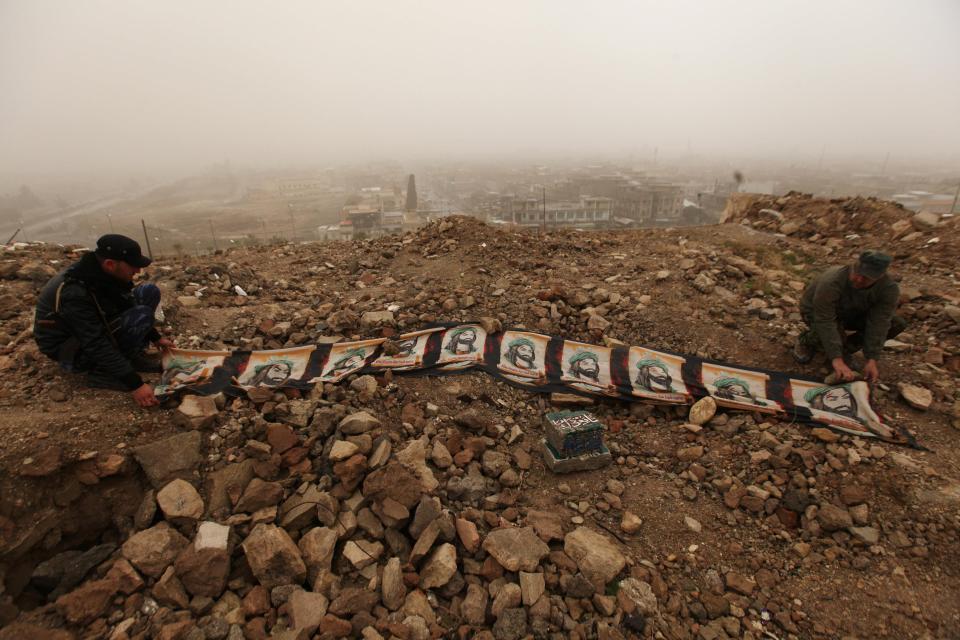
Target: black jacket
{"type": "Point", "coordinates": [88, 300]}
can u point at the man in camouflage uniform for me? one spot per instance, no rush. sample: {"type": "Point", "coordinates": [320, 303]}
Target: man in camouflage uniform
{"type": "Point", "coordinates": [860, 298]}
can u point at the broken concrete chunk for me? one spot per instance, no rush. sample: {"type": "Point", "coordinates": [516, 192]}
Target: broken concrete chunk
{"type": "Point", "coordinates": [273, 557]}
{"type": "Point", "coordinates": [197, 412]}
{"type": "Point", "coordinates": [180, 501]}
{"type": "Point", "coordinates": [174, 457]}
{"type": "Point", "coordinates": [154, 549]}
{"type": "Point", "coordinates": [516, 548]}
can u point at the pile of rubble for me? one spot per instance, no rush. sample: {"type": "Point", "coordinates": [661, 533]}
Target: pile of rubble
{"type": "Point", "coordinates": [329, 521]}
{"type": "Point", "coordinates": [836, 222]}
{"type": "Point", "coordinates": [301, 517]}
{"type": "Point", "coordinates": [416, 507]}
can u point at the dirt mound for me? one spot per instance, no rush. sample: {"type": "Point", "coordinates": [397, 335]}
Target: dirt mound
{"type": "Point", "coordinates": [847, 224]}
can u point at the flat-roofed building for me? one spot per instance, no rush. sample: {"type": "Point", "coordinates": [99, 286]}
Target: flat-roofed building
{"type": "Point", "coordinates": [588, 212]}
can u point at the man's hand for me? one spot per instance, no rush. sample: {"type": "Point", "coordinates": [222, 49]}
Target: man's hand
{"type": "Point", "coordinates": [843, 372]}
{"type": "Point", "coordinates": [144, 396]}
{"type": "Point", "coordinates": [871, 371]}
{"type": "Point", "coordinates": [164, 344]}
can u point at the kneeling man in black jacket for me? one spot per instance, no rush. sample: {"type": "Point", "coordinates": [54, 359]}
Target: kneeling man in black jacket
{"type": "Point", "coordinates": [90, 318]}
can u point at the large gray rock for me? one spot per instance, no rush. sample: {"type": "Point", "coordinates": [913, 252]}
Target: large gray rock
{"type": "Point", "coordinates": [222, 484]}
{"type": "Point", "coordinates": [596, 556]}
{"type": "Point", "coordinates": [516, 548]}
{"type": "Point", "coordinates": [175, 457]}
{"type": "Point", "coordinates": [180, 501]}
{"type": "Point", "coordinates": [357, 423]}
{"type": "Point", "coordinates": [153, 550]}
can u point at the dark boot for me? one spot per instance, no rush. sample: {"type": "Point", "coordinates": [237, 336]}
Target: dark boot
{"type": "Point", "coordinates": [142, 363]}
{"type": "Point", "coordinates": [102, 381]}
{"type": "Point", "coordinates": [805, 347]}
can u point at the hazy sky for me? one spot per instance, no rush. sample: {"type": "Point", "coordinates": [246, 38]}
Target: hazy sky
{"type": "Point", "coordinates": [144, 85]}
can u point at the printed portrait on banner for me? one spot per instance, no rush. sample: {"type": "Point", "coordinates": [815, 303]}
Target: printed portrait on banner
{"type": "Point", "coordinates": [657, 376]}
{"type": "Point", "coordinates": [412, 347]}
{"type": "Point", "coordinates": [845, 406]}
{"type": "Point", "coordinates": [587, 367]}
{"type": "Point", "coordinates": [346, 358]}
{"type": "Point", "coordinates": [738, 388]}
{"type": "Point", "coordinates": [523, 355]}
{"type": "Point", "coordinates": [275, 368]}
{"type": "Point", "coordinates": [462, 346]}
{"type": "Point", "coordinates": [183, 368]}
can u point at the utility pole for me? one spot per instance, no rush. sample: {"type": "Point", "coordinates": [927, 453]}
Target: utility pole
{"type": "Point", "coordinates": [214, 234]}
{"type": "Point", "coordinates": [293, 223]}
{"type": "Point", "coordinates": [543, 219]}
{"type": "Point", "coordinates": [953, 207]}
{"type": "Point", "coordinates": [147, 238]}
{"type": "Point", "coordinates": [110, 220]}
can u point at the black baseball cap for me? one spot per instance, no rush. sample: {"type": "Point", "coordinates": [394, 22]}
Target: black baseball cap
{"type": "Point", "coordinates": [118, 247]}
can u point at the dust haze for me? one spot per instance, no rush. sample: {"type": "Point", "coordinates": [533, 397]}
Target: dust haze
{"type": "Point", "coordinates": [149, 86]}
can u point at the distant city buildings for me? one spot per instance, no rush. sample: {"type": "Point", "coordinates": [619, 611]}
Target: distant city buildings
{"type": "Point", "coordinates": [591, 201]}
{"type": "Point", "coordinates": [642, 200]}
{"type": "Point", "coordinates": [411, 204]}
{"type": "Point", "coordinates": [378, 212]}
{"type": "Point", "coordinates": [587, 212]}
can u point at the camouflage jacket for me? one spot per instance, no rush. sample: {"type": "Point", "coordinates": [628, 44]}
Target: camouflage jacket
{"type": "Point", "coordinates": [831, 301]}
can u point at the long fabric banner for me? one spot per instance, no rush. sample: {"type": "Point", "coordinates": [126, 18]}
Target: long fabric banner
{"type": "Point", "coordinates": [540, 363]}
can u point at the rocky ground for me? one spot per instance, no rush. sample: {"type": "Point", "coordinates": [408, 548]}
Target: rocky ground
{"type": "Point", "coordinates": [420, 507]}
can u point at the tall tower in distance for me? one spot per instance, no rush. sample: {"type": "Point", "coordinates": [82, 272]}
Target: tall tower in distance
{"type": "Point", "coordinates": [411, 194]}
